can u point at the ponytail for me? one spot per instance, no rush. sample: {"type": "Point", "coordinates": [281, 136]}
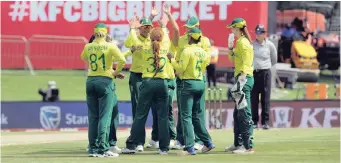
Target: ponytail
{"type": "Point", "coordinates": [92, 38]}
{"type": "Point", "coordinates": [246, 34]}
{"type": "Point", "coordinates": [156, 37]}
{"type": "Point", "coordinates": [156, 51]}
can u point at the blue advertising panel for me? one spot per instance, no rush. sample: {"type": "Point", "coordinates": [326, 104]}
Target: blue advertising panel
{"type": "Point", "coordinates": [44, 115]}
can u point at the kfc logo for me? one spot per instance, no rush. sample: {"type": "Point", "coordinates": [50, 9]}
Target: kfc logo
{"type": "Point", "coordinates": [320, 117]}
{"type": "Point", "coordinates": [282, 116]}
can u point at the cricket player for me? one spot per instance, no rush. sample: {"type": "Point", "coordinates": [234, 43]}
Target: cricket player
{"type": "Point", "coordinates": [193, 60]}
{"type": "Point", "coordinates": [180, 46]}
{"type": "Point", "coordinates": [153, 90]}
{"type": "Point", "coordinates": [142, 42]}
{"type": "Point", "coordinates": [114, 118]}
{"type": "Point", "coordinates": [100, 95]}
{"type": "Point", "coordinates": [242, 56]}
{"type": "Point", "coordinates": [153, 143]}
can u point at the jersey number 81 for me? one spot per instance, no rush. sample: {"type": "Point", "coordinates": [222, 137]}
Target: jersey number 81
{"type": "Point", "coordinates": [93, 61]}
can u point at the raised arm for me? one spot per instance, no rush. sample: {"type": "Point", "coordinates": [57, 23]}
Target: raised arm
{"type": "Point", "coordinates": [175, 27]}
{"type": "Point", "coordinates": [153, 13]}
{"type": "Point", "coordinates": [163, 24]}
{"type": "Point", "coordinates": [132, 38]}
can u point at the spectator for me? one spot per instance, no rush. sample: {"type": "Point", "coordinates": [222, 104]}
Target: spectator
{"type": "Point", "coordinates": [288, 32]}
{"type": "Point", "coordinates": [51, 94]}
{"type": "Point", "coordinates": [265, 56]}
{"type": "Point", "coordinates": [211, 68]}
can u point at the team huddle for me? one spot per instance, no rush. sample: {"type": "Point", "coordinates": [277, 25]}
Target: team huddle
{"type": "Point", "coordinates": [162, 66]}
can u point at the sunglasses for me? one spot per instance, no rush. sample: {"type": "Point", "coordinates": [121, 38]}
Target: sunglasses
{"type": "Point", "coordinates": [146, 27]}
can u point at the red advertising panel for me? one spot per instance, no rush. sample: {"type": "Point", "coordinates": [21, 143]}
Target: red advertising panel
{"type": "Point", "coordinates": [74, 18]}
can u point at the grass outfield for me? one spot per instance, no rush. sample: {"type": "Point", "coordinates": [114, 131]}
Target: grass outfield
{"type": "Point", "coordinates": [19, 85]}
{"type": "Point", "coordinates": [274, 146]}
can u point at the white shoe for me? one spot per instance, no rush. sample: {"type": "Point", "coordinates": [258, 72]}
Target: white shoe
{"type": "Point", "coordinates": [172, 144]}
{"type": "Point", "coordinates": [198, 146]}
{"type": "Point", "coordinates": [153, 144]}
{"type": "Point", "coordinates": [115, 149]}
{"type": "Point", "coordinates": [109, 154]}
{"type": "Point", "coordinates": [163, 152]}
{"type": "Point", "coordinates": [139, 148]}
{"type": "Point", "coordinates": [177, 145]}
{"type": "Point", "coordinates": [233, 148]}
{"type": "Point", "coordinates": [128, 151]}
{"type": "Point", "coordinates": [242, 150]}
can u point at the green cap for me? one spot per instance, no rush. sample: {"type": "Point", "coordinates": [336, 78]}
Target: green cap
{"type": "Point", "coordinates": [237, 23]}
{"type": "Point", "coordinates": [100, 27]}
{"type": "Point", "coordinates": [192, 22]}
{"type": "Point", "coordinates": [195, 33]}
{"type": "Point", "coordinates": [146, 21]}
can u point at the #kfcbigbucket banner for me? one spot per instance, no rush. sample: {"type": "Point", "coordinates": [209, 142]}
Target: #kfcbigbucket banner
{"type": "Point", "coordinates": [49, 116]}
{"type": "Point", "coordinates": [74, 18]}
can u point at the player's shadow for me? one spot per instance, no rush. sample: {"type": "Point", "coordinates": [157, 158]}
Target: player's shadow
{"type": "Point", "coordinates": [51, 153]}
{"type": "Point", "coordinates": [65, 153]}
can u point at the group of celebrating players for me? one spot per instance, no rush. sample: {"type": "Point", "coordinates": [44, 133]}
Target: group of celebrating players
{"type": "Point", "coordinates": [161, 65]}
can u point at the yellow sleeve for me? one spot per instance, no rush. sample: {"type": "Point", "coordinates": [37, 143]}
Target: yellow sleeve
{"type": "Point", "coordinates": [246, 59]}
{"type": "Point", "coordinates": [131, 39]}
{"type": "Point", "coordinates": [173, 50]}
{"type": "Point", "coordinates": [127, 53]}
{"type": "Point", "coordinates": [208, 59]}
{"type": "Point", "coordinates": [207, 45]}
{"type": "Point", "coordinates": [183, 62]}
{"type": "Point", "coordinates": [83, 54]}
{"type": "Point", "coordinates": [121, 61]}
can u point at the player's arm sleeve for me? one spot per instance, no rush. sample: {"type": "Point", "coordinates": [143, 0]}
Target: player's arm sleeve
{"type": "Point", "coordinates": [83, 54]}
{"type": "Point", "coordinates": [207, 45]}
{"type": "Point", "coordinates": [127, 53]}
{"type": "Point", "coordinates": [208, 59]}
{"type": "Point", "coordinates": [131, 39]}
{"type": "Point", "coordinates": [119, 57]}
{"type": "Point", "coordinates": [181, 66]}
{"type": "Point", "coordinates": [273, 53]}
{"type": "Point", "coordinates": [246, 58]}
{"type": "Point", "coordinates": [173, 50]}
